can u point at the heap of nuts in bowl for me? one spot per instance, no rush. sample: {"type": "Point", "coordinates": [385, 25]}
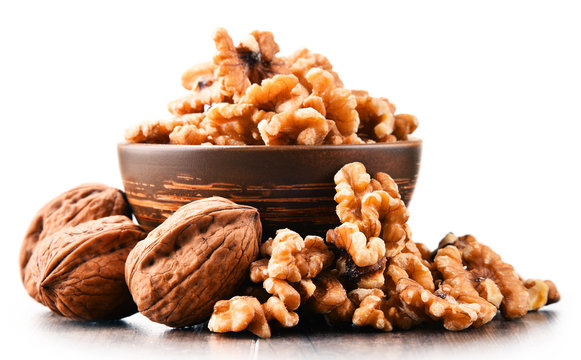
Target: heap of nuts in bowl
{"type": "Point", "coordinates": [85, 259]}
{"type": "Point", "coordinates": [247, 95]}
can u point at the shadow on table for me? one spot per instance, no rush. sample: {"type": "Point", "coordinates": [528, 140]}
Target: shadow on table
{"type": "Point", "coordinates": [312, 336]}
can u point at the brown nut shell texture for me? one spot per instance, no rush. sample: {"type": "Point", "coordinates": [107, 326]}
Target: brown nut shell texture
{"type": "Point", "coordinates": [78, 272]}
{"type": "Point", "coordinates": [199, 255]}
{"type": "Point", "coordinates": [83, 203]}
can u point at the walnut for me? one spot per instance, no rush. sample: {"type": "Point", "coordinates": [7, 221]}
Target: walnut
{"type": "Point", "coordinates": [237, 314]}
{"type": "Point", "coordinates": [336, 138]}
{"type": "Point", "coordinates": [207, 92]}
{"type": "Point", "coordinates": [275, 93]}
{"type": "Point", "coordinates": [553, 295]}
{"type": "Point", "coordinates": [372, 280]}
{"type": "Point", "coordinates": [489, 291]}
{"type": "Point", "coordinates": [73, 207]}
{"type": "Point", "coordinates": [413, 267]}
{"type": "Point", "coordinates": [538, 293]}
{"type": "Point", "coordinates": [340, 104]}
{"type": "Point", "coordinates": [375, 116]}
{"type": "Point", "coordinates": [481, 258]}
{"type": "Point", "coordinates": [424, 251]}
{"type": "Point", "coordinates": [246, 313]}
{"type": "Point", "coordinates": [364, 252]}
{"type": "Point", "coordinates": [294, 259]}
{"type": "Point", "coordinates": [374, 205]}
{"type": "Point", "coordinates": [395, 229]}
{"type": "Point", "coordinates": [231, 124]}
{"type": "Point", "coordinates": [159, 132]}
{"type": "Point", "coordinates": [306, 288]}
{"type": "Point", "coordinates": [458, 283]}
{"type": "Point", "coordinates": [419, 303]}
{"type": "Point", "coordinates": [329, 293]}
{"type": "Point", "coordinates": [301, 127]}
{"type": "Point", "coordinates": [379, 312]}
{"type": "Point", "coordinates": [249, 63]}
{"type": "Point", "coordinates": [198, 255]}
{"type": "Point", "coordinates": [274, 308]}
{"type": "Point", "coordinates": [78, 272]}
{"type": "Point", "coordinates": [259, 270]}
{"type": "Point", "coordinates": [198, 75]}
{"type": "Point", "coordinates": [189, 135]}
{"type": "Point", "coordinates": [404, 124]}
{"type": "Point", "coordinates": [347, 269]}
{"type": "Point", "coordinates": [302, 60]}
{"type": "Point", "coordinates": [285, 292]}
{"type": "Point", "coordinates": [266, 247]}
{"type": "Point", "coordinates": [341, 314]}
{"type": "Point", "coordinates": [369, 311]}
{"type": "Point", "coordinates": [285, 247]}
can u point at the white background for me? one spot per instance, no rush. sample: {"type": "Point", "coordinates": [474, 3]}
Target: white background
{"type": "Point", "coordinates": [496, 86]}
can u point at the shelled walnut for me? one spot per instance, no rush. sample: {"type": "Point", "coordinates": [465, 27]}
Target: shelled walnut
{"type": "Point", "coordinates": [379, 277]}
{"type": "Point", "coordinates": [299, 100]}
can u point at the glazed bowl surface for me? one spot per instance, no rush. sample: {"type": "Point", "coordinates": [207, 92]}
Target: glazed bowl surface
{"type": "Point", "coordinates": [291, 186]}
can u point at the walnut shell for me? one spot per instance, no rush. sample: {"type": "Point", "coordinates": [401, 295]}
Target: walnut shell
{"type": "Point", "coordinates": [199, 255]}
{"type": "Point", "coordinates": [78, 272]}
{"type": "Point", "coordinates": [83, 203]}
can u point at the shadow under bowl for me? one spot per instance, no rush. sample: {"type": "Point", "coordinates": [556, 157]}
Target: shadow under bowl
{"type": "Point", "coordinates": [291, 186]}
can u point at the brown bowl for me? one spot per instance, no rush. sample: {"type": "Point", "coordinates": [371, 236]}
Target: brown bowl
{"type": "Point", "coordinates": [292, 186]}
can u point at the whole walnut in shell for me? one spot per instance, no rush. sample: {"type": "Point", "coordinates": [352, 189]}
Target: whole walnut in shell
{"type": "Point", "coordinates": [197, 256]}
{"type": "Point", "coordinates": [78, 272]}
{"type": "Point", "coordinates": [83, 203]}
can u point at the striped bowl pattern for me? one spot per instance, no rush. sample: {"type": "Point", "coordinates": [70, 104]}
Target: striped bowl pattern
{"type": "Point", "coordinates": [291, 186]}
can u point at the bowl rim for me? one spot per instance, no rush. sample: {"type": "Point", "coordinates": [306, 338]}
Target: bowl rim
{"type": "Point", "coordinates": [411, 142]}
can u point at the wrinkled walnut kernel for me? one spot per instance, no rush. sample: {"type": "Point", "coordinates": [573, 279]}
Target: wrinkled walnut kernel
{"type": "Point", "coordinates": [274, 93]}
{"type": "Point", "coordinates": [329, 293]}
{"type": "Point", "coordinates": [340, 104]}
{"type": "Point", "coordinates": [293, 258]}
{"type": "Point", "coordinates": [538, 293]}
{"type": "Point", "coordinates": [302, 60]}
{"type": "Point", "coordinates": [413, 267]}
{"type": "Point", "coordinates": [206, 92]}
{"type": "Point", "coordinates": [231, 124]}
{"type": "Point", "coordinates": [404, 124]}
{"type": "Point", "coordinates": [302, 127]}
{"type": "Point", "coordinates": [374, 205]}
{"type": "Point", "coordinates": [159, 131]}
{"type": "Point", "coordinates": [237, 314]}
{"type": "Point", "coordinates": [481, 258]}
{"type": "Point", "coordinates": [376, 118]}
{"type": "Point", "coordinates": [259, 270]}
{"type": "Point", "coordinates": [364, 252]}
{"type": "Point", "coordinates": [274, 308]}
{"type": "Point", "coordinates": [249, 63]}
{"type": "Point", "coordinates": [369, 314]}
{"type": "Point", "coordinates": [458, 283]}
{"type": "Point", "coordinates": [284, 291]}
{"type": "Point", "coordinates": [199, 76]}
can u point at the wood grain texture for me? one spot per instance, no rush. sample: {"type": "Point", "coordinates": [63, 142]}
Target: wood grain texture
{"type": "Point", "coordinates": [291, 186]}
{"type": "Point", "coordinates": [137, 338]}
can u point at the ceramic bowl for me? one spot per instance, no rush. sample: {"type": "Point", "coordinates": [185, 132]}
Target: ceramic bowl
{"type": "Point", "coordinates": [292, 186]}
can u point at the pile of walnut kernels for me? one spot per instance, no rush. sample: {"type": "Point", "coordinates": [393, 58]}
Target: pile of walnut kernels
{"type": "Point", "coordinates": [249, 96]}
{"type": "Point", "coordinates": [85, 259]}
{"type": "Point", "coordinates": [369, 272]}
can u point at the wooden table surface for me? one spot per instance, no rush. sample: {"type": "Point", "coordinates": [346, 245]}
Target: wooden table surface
{"type": "Point", "coordinates": [538, 335]}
